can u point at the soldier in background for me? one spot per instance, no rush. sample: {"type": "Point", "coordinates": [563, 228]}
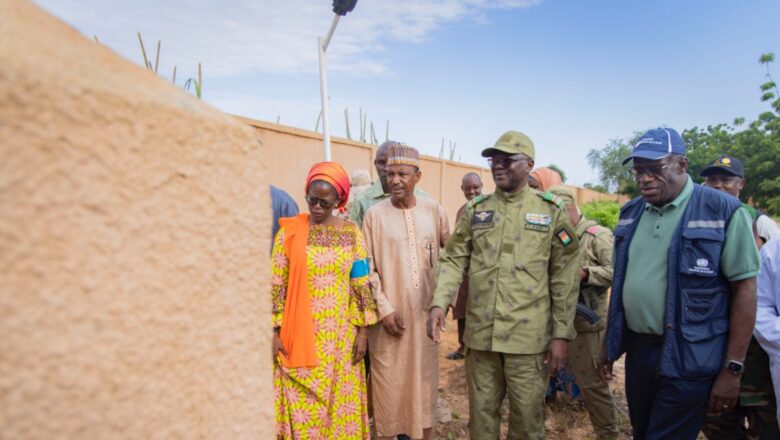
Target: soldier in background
{"type": "Point", "coordinates": [756, 401]}
{"type": "Point", "coordinates": [595, 275]}
{"type": "Point", "coordinates": [520, 254]}
{"type": "Point", "coordinates": [727, 174]}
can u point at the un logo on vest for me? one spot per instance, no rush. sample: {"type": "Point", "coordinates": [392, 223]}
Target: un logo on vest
{"type": "Point", "coordinates": [702, 262]}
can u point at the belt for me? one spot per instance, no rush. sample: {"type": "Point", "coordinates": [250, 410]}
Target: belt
{"type": "Point", "coordinates": [650, 338]}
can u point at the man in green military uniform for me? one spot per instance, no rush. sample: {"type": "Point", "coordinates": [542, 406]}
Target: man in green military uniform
{"type": "Point", "coordinates": [520, 254]}
{"type": "Point", "coordinates": [595, 275]}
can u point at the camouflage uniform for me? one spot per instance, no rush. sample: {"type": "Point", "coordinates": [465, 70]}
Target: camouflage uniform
{"type": "Point", "coordinates": [520, 255]}
{"type": "Point", "coordinates": [596, 258]}
{"type": "Point", "coordinates": [756, 403]}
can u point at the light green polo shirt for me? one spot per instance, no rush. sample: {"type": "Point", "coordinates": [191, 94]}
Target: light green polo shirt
{"type": "Point", "coordinates": [644, 289]}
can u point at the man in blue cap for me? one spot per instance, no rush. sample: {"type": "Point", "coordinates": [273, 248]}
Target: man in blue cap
{"type": "Point", "coordinates": [727, 174]}
{"type": "Point", "coordinates": [756, 403]}
{"type": "Point", "coordinates": [683, 298]}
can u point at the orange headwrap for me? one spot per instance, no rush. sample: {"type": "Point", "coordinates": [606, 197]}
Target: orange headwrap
{"type": "Point", "coordinates": [334, 174]}
{"type": "Point", "coordinates": [546, 177]}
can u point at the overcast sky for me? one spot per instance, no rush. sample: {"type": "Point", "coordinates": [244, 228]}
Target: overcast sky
{"type": "Point", "coordinates": [570, 74]}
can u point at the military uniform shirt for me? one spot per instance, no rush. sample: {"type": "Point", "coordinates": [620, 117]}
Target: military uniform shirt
{"type": "Point", "coordinates": [596, 257]}
{"type": "Point", "coordinates": [520, 254]}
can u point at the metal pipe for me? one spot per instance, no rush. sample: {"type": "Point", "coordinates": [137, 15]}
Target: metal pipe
{"type": "Point", "coordinates": [332, 29]}
{"type": "Point", "coordinates": [324, 94]}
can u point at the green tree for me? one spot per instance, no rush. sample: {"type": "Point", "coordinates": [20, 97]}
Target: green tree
{"type": "Point", "coordinates": [604, 212]}
{"type": "Point", "coordinates": [595, 187]}
{"type": "Point", "coordinates": [613, 175]}
{"type": "Point", "coordinates": [757, 145]}
{"type": "Point", "coordinates": [558, 170]}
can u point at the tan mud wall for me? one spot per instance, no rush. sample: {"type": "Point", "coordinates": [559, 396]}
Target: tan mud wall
{"type": "Point", "coordinates": [292, 151]}
{"type": "Point", "coordinates": [133, 249]}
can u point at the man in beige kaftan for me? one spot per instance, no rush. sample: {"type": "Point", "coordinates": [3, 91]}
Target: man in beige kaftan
{"type": "Point", "coordinates": [403, 237]}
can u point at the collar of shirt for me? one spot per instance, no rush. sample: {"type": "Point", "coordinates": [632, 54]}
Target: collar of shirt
{"type": "Point", "coordinates": [374, 191]}
{"type": "Point", "coordinates": [512, 197]}
{"type": "Point", "coordinates": [681, 198]}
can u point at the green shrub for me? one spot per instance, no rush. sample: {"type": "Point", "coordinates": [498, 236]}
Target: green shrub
{"type": "Point", "coordinates": [605, 213]}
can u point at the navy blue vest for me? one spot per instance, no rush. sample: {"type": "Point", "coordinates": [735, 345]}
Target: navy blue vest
{"type": "Point", "coordinates": [696, 314]}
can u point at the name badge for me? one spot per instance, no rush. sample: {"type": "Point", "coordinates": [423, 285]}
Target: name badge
{"type": "Point", "coordinates": [483, 220]}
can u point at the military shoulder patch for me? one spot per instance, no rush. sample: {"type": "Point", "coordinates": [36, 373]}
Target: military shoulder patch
{"type": "Point", "coordinates": [552, 198]}
{"type": "Point", "coordinates": [593, 230]}
{"type": "Point", "coordinates": [564, 237]}
{"type": "Point", "coordinates": [476, 201]}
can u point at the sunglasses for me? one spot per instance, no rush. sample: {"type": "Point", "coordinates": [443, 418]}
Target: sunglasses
{"type": "Point", "coordinates": [653, 171]}
{"type": "Point", "coordinates": [506, 161]}
{"type": "Point", "coordinates": [324, 204]}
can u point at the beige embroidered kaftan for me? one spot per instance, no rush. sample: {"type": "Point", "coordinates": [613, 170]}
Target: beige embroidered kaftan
{"type": "Point", "coordinates": [404, 245]}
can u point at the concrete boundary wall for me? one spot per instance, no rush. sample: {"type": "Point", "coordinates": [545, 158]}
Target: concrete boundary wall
{"type": "Point", "coordinates": [291, 152]}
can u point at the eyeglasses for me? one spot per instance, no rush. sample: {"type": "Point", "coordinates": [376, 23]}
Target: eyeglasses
{"type": "Point", "coordinates": [715, 179]}
{"type": "Point", "coordinates": [506, 161]}
{"type": "Point", "coordinates": [324, 204]}
{"type": "Point", "coordinates": [653, 171]}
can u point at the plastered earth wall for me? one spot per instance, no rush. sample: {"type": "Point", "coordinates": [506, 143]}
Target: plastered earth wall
{"type": "Point", "coordinates": [133, 249]}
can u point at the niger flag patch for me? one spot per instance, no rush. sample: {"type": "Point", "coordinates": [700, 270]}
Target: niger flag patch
{"type": "Point", "coordinates": [564, 237]}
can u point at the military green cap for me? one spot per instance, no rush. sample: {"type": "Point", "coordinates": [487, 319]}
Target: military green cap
{"type": "Point", "coordinates": [511, 142]}
{"type": "Point", "coordinates": [564, 193]}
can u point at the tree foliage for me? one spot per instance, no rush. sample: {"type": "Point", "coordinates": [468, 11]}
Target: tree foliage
{"type": "Point", "coordinates": [558, 170]}
{"type": "Point", "coordinates": [613, 175]}
{"type": "Point", "coordinates": [757, 144]}
{"type": "Point", "coordinates": [604, 212]}
{"type": "Point", "coordinates": [596, 187]}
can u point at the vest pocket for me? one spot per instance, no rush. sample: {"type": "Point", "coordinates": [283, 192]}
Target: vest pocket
{"type": "Point", "coordinates": [701, 248]}
{"type": "Point", "coordinates": [701, 305]}
{"type": "Point", "coordinates": [703, 347]}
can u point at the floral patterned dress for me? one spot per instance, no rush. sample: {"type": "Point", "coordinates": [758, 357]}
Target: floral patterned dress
{"type": "Point", "coordinates": [327, 401]}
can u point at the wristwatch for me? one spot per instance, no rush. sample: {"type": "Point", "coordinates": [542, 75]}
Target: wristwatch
{"type": "Point", "coordinates": [735, 367]}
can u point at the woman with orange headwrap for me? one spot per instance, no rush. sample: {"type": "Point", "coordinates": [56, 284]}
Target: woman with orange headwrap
{"type": "Point", "coordinates": [322, 305]}
{"type": "Point", "coordinates": [543, 178]}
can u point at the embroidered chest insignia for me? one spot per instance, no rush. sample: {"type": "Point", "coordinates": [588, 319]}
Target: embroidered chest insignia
{"type": "Point", "coordinates": [483, 220]}
{"type": "Point", "coordinates": [538, 219]}
{"type": "Point", "coordinates": [702, 262]}
{"type": "Point", "coordinates": [483, 216]}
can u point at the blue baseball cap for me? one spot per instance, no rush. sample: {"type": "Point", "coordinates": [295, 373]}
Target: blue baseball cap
{"type": "Point", "coordinates": [657, 144]}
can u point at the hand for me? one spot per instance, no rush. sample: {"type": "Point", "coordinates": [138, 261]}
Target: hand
{"type": "Point", "coordinates": [360, 346]}
{"type": "Point", "coordinates": [556, 355]}
{"type": "Point", "coordinates": [277, 346]}
{"type": "Point", "coordinates": [394, 324]}
{"type": "Point", "coordinates": [603, 365]}
{"type": "Point", "coordinates": [725, 391]}
{"type": "Point", "coordinates": [583, 274]}
{"type": "Point", "coordinates": [436, 322]}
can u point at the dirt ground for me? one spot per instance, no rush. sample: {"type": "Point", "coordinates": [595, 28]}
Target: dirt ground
{"type": "Point", "coordinates": [565, 420]}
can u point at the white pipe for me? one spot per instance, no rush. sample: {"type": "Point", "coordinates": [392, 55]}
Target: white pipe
{"type": "Point", "coordinates": [330, 32]}
{"type": "Point", "coordinates": [324, 94]}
